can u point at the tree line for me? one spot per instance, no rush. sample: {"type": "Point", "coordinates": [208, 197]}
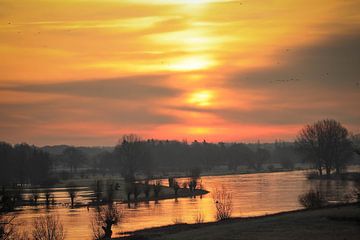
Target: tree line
{"type": "Point", "coordinates": [325, 144]}
{"type": "Point", "coordinates": [133, 155]}
{"type": "Point", "coordinates": [24, 164]}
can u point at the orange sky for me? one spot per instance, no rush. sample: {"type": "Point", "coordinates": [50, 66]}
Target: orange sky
{"type": "Point", "coordinates": [86, 72]}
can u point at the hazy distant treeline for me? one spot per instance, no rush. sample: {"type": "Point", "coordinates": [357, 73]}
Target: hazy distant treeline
{"type": "Point", "coordinates": [23, 163]}
{"type": "Point", "coordinates": [147, 157]}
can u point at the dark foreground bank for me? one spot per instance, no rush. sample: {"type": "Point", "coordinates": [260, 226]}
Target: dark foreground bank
{"type": "Point", "coordinates": [335, 222]}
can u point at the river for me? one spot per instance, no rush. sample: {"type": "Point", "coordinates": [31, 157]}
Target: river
{"type": "Point", "coordinates": [252, 195]}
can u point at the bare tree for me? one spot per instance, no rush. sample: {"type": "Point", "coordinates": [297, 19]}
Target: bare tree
{"type": "Point", "coordinates": [157, 189]}
{"type": "Point", "coordinates": [47, 196]}
{"type": "Point", "coordinates": [48, 227]}
{"type": "Point", "coordinates": [146, 189]}
{"type": "Point", "coordinates": [98, 191]}
{"type": "Point", "coordinates": [72, 191]}
{"type": "Point", "coordinates": [223, 203]}
{"type": "Point", "coordinates": [327, 144]}
{"type": "Point", "coordinates": [103, 220]}
{"type": "Point", "coordinates": [175, 186]}
{"type": "Point", "coordinates": [194, 177]}
{"type": "Point", "coordinates": [110, 191]}
{"type": "Point", "coordinates": [34, 196]}
{"type": "Point", "coordinates": [134, 156]}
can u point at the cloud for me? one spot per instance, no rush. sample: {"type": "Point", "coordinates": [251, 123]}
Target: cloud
{"type": "Point", "coordinates": [128, 88]}
{"type": "Point", "coordinates": [76, 120]}
{"type": "Point", "coordinates": [333, 63]}
{"type": "Point", "coordinates": [309, 83]}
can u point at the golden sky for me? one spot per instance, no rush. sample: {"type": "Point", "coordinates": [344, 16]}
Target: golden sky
{"type": "Point", "coordinates": [86, 72]}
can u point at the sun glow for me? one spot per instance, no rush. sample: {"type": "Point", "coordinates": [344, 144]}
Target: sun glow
{"type": "Point", "coordinates": [201, 98]}
{"type": "Point", "coordinates": [182, 1]}
{"type": "Point", "coordinates": [191, 64]}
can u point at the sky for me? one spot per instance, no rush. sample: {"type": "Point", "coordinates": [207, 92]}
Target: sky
{"type": "Point", "coordinates": [86, 72]}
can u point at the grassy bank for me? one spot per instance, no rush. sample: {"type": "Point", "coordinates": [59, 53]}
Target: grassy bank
{"type": "Point", "coordinates": [340, 222]}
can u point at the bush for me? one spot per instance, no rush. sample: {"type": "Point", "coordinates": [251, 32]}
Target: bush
{"type": "Point", "coordinates": [48, 227]}
{"type": "Point", "coordinates": [312, 200]}
{"type": "Point", "coordinates": [312, 175]}
{"type": "Point", "coordinates": [223, 203]}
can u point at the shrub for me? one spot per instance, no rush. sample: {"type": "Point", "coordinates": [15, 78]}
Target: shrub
{"type": "Point", "coordinates": [48, 227]}
{"type": "Point", "coordinates": [223, 203]}
{"type": "Point", "coordinates": [312, 199]}
{"type": "Point", "coordinates": [312, 175]}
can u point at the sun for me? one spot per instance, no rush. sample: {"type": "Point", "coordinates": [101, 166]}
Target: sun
{"type": "Point", "coordinates": [192, 63]}
{"type": "Point", "coordinates": [201, 98]}
{"type": "Point", "coordinates": [184, 1]}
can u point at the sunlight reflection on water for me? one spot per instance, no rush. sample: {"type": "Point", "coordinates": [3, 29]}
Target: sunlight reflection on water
{"type": "Point", "coordinates": [253, 194]}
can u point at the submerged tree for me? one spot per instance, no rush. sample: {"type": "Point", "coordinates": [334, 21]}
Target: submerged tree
{"type": "Point", "coordinates": [72, 191]}
{"type": "Point", "coordinates": [47, 195]}
{"type": "Point", "coordinates": [176, 187]}
{"type": "Point", "coordinates": [34, 196]}
{"type": "Point", "coordinates": [98, 191]}
{"type": "Point", "coordinates": [157, 189]}
{"type": "Point", "coordinates": [326, 143]}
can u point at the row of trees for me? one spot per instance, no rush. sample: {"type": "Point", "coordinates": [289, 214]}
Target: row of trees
{"type": "Point", "coordinates": [23, 164]}
{"type": "Point", "coordinates": [133, 155]}
{"type": "Point", "coordinates": [326, 143]}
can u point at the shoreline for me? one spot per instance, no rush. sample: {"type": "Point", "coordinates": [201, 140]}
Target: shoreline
{"type": "Point", "coordinates": [344, 212]}
{"type": "Point", "coordinates": [182, 193]}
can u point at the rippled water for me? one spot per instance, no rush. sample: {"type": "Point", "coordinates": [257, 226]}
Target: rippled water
{"type": "Point", "coordinates": [253, 194]}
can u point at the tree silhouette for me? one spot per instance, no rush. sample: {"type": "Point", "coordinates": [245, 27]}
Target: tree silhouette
{"type": "Point", "coordinates": [326, 143]}
{"type": "Point", "coordinates": [103, 220]}
{"type": "Point", "coordinates": [73, 158]}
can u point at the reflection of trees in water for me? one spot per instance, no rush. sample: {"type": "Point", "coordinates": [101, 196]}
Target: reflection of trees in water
{"type": "Point", "coordinates": [333, 190]}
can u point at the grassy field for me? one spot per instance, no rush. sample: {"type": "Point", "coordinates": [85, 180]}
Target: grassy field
{"type": "Point", "coordinates": [342, 222]}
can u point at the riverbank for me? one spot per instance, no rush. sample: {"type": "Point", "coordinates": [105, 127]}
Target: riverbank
{"type": "Point", "coordinates": [333, 222]}
{"type": "Point", "coordinates": [347, 176]}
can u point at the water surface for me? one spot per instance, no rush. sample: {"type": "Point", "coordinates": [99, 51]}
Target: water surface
{"type": "Point", "coordinates": [253, 195]}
